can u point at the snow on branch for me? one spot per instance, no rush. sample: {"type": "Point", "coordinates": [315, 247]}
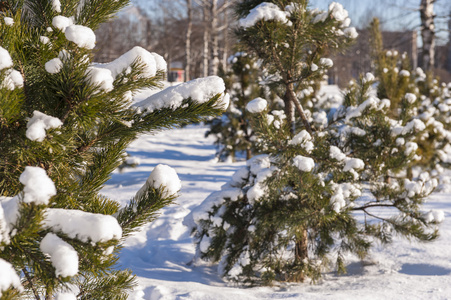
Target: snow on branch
{"type": "Point", "coordinates": [5, 59]}
{"type": "Point", "coordinates": [199, 90]}
{"type": "Point", "coordinates": [152, 62]}
{"type": "Point", "coordinates": [163, 176]}
{"type": "Point", "coordinates": [82, 225]}
{"type": "Point", "coordinates": [39, 188]}
{"type": "Point", "coordinates": [265, 11]}
{"type": "Point", "coordinates": [8, 277]}
{"type": "Point", "coordinates": [39, 123]}
{"type": "Point", "coordinates": [62, 255]}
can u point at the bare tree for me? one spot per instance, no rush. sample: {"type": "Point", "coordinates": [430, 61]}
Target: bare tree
{"type": "Point", "coordinates": [213, 29]}
{"type": "Point", "coordinates": [428, 33]}
{"type": "Point", "coordinates": [189, 10]}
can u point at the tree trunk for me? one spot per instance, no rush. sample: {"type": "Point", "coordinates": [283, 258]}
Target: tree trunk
{"type": "Point", "coordinates": [291, 99]}
{"type": "Point", "coordinates": [188, 40]}
{"type": "Point", "coordinates": [301, 251]}
{"type": "Point", "coordinates": [214, 57]}
{"type": "Point", "coordinates": [206, 41]}
{"type": "Point", "coordinates": [427, 33]}
{"type": "Point", "coordinates": [226, 39]}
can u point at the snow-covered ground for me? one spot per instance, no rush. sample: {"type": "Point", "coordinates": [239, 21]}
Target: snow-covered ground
{"type": "Point", "coordinates": [161, 254]}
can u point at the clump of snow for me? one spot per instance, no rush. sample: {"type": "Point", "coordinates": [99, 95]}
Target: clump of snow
{"type": "Point", "coordinates": [351, 32]}
{"type": "Point", "coordinates": [257, 105]}
{"type": "Point", "coordinates": [163, 176]}
{"type": "Point", "coordinates": [305, 164]}
{"type": "Point", "coordinates": [81, 35]}
{"type": "Point", "coordinates": [54, 65]}
{"type": "Point", "coordinates": [337, 11]}
{"type": "Point", "coordinates": [43, 39]}
{"type": "Point", "coordinates": [342, 192]}
{"type": "Point", "coordinates": [320, 17]}
{"type": "Point", "coordinates": [404, 73]}
{"type": "Point", "coordinates": [62, 255]}
{"type": "Point", "coordinates": [38, 124]}
{"type": "Point", "coordinates": [102, 77]}
{"type": "Point", "coordinates": [56, 5]}
{"type": "Point", "coordinates": [414, 125]}
{"type": "Point", "coordinates": [65, 296]}
{"type": "Point", "coordinates": [13, 79]}
{"type": "Point", "coordinates": [326, 62]}
{"type": "Point", "coordinates": [336, 153]}
{"type": "Point", "coordinates": [411, 147]}
{"type": "Point", "coordinates": [39, 188]}
{"type": "Point", "coordinates": [314, 67]}
{"type": "Point", "coordinates": [96, 227]}
{"type": "Point", "coordinates": [152, 62]}
{"type": "Point", "coordinates": [353, 163]}
{"type": "Point", "coordinates": [5, 59]}
{"type": "Point", "coordinates": [8, 277]}
{"type": "Point", "coordinates": [199, 90]}
{"type": "Point", "coordinates": [320, 118]}
{"type": "Point", "coordinates": [62, 22]}
{"type": "Point", "coordinates": [265, 11]}
{"type": "Point", "coordinates": [372, 102]}
{"type": "Point", "coordinates": [8, 21]}
{"type": "Point", "coordinates": [369, 77]}
{"type": "Point", "coordinates": [9, 212]}
{"type": "Point", "coordinates": [304, 139]}
{"type": "Point", "coordinates": [411, 98]}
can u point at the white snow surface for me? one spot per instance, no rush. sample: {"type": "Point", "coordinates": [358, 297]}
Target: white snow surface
{"type": "Point", "coordinates": [39, 123]}
{"type": "Point", "coordinates": [8, 277]}
{"type": "Point", "coordinates": [82, 225]}
{"type": "Point", "coordinates": [160, 254]}
{"type": "Point", "coordinates": [199, 90]}
{"type": "Point", "coordinates": [265, 11]}
{"type": "Point", "coordinates": [81, 35]}
{"type": "Point", "coordinates": [38, 187]}
{"type": "Point", "coordinates": [62, 255]}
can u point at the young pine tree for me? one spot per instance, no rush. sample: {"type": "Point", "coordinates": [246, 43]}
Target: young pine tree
{"type": "Point", "coordinates": [233, 133]}
{"type": "Point", "coordinates": [419, 93]}
{"type": "Point", "coordinates": [65, 123]}
{"type": "Point", "coordinates": [310, 199]}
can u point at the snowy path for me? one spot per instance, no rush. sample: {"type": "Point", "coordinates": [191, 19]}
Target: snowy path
{"type": "Point", "coordinates": [160, 253]}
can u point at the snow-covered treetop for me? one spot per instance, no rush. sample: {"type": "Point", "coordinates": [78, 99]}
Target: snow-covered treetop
{"type": "Point", "coordinates": [265, 11]}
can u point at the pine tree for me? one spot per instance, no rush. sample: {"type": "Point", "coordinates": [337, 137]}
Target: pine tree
{"type": "Point", "coordinates": [421, 94]}
{"type": "Point", "coordinates": [233, 133]}
{"type": "Point", "coordinates": [65, 123]}
{"type": "Point", "coordinates": [291, 41]}
{"type": "Point", "coordinates": [326, 191]}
